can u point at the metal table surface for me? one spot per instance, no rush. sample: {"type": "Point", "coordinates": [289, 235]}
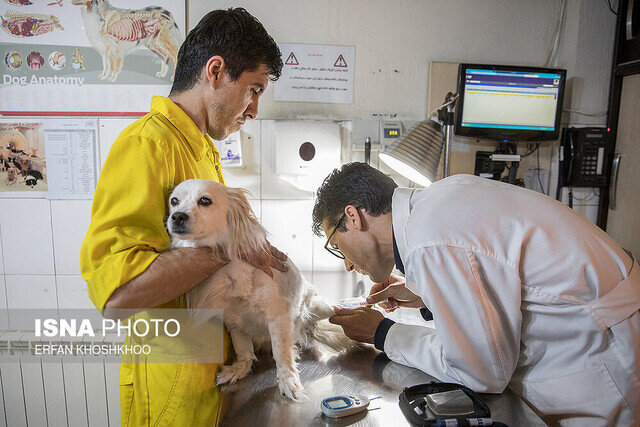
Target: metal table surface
{"type": "Point", "coordinates": [256, 400]}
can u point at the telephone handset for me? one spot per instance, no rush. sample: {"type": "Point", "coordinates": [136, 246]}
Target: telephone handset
{"type": "Point", "coordinates": [584, 156]}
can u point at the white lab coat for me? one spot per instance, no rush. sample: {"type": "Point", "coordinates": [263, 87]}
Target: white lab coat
{"type": "Point", "coordinates": [525, 293]}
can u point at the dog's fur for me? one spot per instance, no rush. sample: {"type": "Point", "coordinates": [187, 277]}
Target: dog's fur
{"type": "Point", "coordinates": [116, 32]}
{"type": "Point", "coordinates": [259, 310]}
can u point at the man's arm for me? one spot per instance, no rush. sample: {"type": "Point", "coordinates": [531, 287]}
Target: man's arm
{"type": "Point", "coordinates": [475, 301]}
{"type": "Point", "coordinates": [170, 275]}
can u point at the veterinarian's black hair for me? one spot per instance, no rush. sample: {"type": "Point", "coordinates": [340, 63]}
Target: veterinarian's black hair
{"type": "Point", "coordinates": [356, 184]}
{"type": "Point", "coordinates": [235, 35]}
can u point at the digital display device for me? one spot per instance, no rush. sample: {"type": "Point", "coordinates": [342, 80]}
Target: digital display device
{"type": "Point", "coordinates": [338, 403]}
{"type": "Point", "coordinates": [509, 103]}
{"type": "Point", "coordinates": [391, 132]}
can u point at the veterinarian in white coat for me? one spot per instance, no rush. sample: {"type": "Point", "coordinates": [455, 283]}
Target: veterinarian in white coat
{"type": "Point", "coordinates": [525, 293]}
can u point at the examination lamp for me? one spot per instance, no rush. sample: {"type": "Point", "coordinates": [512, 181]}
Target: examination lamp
{"type": "Point", "coordinates": [416, 154]}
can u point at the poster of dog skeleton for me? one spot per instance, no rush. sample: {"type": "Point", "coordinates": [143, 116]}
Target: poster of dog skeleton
{"type": "Point", "coordinates": [22, 157]}
{"type": "Point", "coordinates": [87, 56]}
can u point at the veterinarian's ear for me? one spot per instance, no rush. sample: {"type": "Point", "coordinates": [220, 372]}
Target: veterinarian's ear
{"type": "Point", "coordinates": [353, 218]}
{"type": "Point", "coordinates": [213, 70]}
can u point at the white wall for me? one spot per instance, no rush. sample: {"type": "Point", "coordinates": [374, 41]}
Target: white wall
{"type": "Point", "coordinates": [396, 40]}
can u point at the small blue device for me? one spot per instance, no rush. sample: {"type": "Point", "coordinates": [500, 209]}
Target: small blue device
{"type": "Point", "coordinates": [342, 406]}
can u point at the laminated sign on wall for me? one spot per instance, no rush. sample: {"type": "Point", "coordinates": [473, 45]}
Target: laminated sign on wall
{"type": "Point", "coordinates": [316, 73]}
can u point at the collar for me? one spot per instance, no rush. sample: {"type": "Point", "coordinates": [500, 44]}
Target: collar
{"type": "Point", "coordinates": [200, 144]}
{"type": "Point", "coordinates": [396, 254]}
{"type": "Point", "coordinates": [401, 208]}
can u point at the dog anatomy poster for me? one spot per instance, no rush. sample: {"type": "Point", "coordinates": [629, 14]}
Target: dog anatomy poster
{"type": "Point", "coordinates": [87, 56]}
{"type": "Point", "coordinates": [22, 156]}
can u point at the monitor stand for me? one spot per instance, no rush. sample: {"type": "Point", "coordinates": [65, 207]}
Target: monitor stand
{"type": "Point", "coordinates": [507, 152]}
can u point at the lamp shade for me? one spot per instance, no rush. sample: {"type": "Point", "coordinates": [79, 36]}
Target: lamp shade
{"type": "Point", "coordinates": [416, 154]}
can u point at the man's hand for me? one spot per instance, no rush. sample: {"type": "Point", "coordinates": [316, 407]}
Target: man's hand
{"type": "Point", "coordinates": [359, 324]}
{"type": "Point", "coordinates": [265, 261]}
{"type": "Point", "coordinates": [392, 294]}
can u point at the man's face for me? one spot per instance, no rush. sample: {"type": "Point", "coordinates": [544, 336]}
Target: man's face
{"type": "Point", "coordinates": [235, 101]}
{"type": "Point", "coordinates": [361, 251]}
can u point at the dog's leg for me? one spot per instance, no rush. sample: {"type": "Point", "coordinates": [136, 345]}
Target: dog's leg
{"type": "Point", "coordinates": [155, 47]}
{"type": "Point", "coordinates": [280, 331]}
{"type": "Point", "coordinates": [243, 347]}
{"type": "Point", "coordinates": [320, 308]}
{"type": "Point", "coordinates": [105, 66]}
{"type": "Point", "coordinates": [118, 62]}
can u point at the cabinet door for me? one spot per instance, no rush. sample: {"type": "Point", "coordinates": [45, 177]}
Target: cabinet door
{"type": "Point", "coordinates": [623, 222]}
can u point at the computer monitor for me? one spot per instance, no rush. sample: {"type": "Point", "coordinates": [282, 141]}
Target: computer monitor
{"type": "Point", "coordinates": [509, 103]}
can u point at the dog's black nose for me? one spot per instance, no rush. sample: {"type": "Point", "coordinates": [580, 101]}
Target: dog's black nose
{"type": "Point", "coordinates": [179, 218]}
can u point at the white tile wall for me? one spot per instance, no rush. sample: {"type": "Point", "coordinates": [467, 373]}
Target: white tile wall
{"type": "Point", "coordinates": [31, 291]}
{"type": "Point", "coordinates": [1, 257]}
{"type": "Point", "coordinates": [70, 220]}
{"type": "Point", "coordinates": [25, 225]}
{"type": "Point", "coordinates": [289, 225]}
{"type": "Point", "coordinates": [4, 320]}
{"type": "Point", "coordinates": [256, 207]}
{"type": "Point", "coordinates": [73, 292]}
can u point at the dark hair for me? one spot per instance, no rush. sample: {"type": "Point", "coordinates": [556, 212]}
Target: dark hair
{"type": "Point", "coordinates": [356, 184]}
{"type": "Point", "coordinates": [233, 34]}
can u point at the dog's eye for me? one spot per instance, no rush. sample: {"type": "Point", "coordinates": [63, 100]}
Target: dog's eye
{"type": "Point", "coordinates": [204, 201]}
{"type": "Point", "coordinates": [174, 201]}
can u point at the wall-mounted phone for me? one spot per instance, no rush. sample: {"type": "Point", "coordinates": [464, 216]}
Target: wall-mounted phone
{"type": "Point", "coordinates": [584, 156]}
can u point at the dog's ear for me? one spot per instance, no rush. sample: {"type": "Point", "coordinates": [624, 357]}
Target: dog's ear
{"type": "Point", "coordinates": [246, 237]}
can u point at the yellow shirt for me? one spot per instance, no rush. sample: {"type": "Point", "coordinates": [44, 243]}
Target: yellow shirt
{"type": "Point", "coordinates": [147, 160]}
{"type": "Point", "coordinates": [127, 233]}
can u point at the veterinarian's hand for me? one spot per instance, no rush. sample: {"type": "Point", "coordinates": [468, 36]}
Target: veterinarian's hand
{"type": "Point", "coordinates": [359, 324]}
{"type": "Point", "coordinates": [265, 261]}
{"type": "Point", "coordinates": [392, 293]}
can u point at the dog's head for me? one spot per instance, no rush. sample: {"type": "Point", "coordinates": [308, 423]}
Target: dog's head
{"type": "Point", "coordinates": [12, 173]}
{"type": "Point", "coordinates": [206, 213]}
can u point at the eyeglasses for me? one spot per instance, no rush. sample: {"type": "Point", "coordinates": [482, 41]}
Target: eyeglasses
{"type": "Point", "coordinates": [335, 251]}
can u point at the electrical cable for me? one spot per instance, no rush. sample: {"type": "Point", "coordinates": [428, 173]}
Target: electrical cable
{"type": "Point", "coordinates": [604, 113]}
{"type": "Point", "coordinates": [551, 59]}
{"type": "Point", "coordinates": [611, 7]}
{"type": "Point", "coordinates": [446, 104]}
{"type": "Point", "coordinates": [538, 170]}
{"type": "Point", "coordinates": [532, 149]}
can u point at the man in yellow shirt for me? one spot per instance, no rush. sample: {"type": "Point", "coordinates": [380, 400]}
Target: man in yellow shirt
{"type": "Point", "coordinates": [223, 67]}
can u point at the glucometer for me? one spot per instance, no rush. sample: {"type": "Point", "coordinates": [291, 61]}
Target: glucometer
{"type": "Point", "coordinates": [342, 406]}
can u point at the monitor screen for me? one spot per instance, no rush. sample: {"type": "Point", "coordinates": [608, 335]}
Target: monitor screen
{"type": "Point", "coordinates": [509, 103]}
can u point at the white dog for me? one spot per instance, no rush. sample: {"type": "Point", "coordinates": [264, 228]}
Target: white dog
{"type": "Point", "coordinates": [259, 310]}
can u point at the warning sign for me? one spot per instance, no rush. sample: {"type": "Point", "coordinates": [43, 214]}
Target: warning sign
{"type": "Point", "coordinates": [316, 73]}
{"type": "Point", "coordinates": [340, 62]}
{"type": "Point", "coordinates": [292, 60]}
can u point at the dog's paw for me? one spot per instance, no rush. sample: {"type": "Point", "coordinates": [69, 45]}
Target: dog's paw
{"type": "Point", "coordinates": [291, 388]}
{"type": "Point", "coordinates": [229, 374]}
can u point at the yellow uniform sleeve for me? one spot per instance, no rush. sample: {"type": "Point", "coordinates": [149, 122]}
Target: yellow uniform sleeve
{"type": "Point", "coordinates": [127, 230]}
